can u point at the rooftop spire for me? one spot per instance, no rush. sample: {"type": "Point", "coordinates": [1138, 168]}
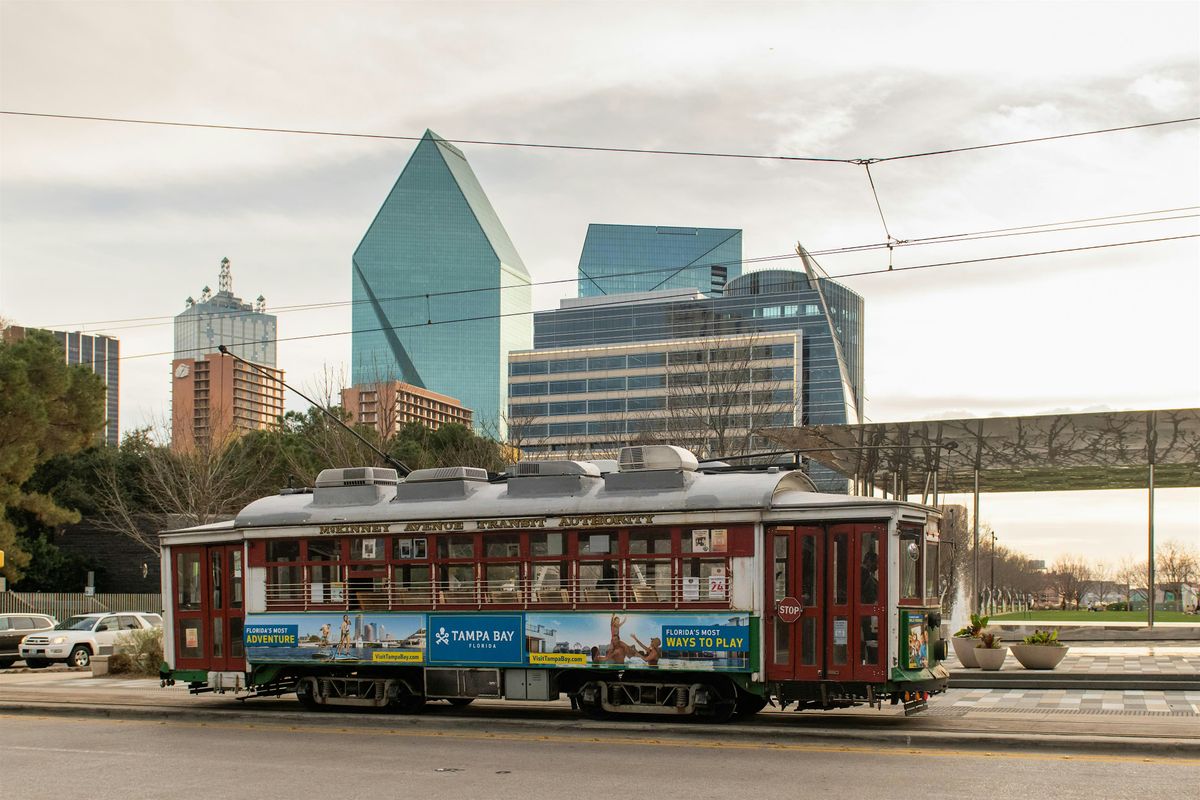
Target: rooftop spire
{"type": "Point", "coordinates": [225, 283]}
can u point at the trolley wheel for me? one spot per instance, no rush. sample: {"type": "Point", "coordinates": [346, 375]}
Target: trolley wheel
{"type": "Point", "coordinates": [720, 709]}
{"type": "Point", "coordinates": [408, 703]}
{"type": "Point", "coordinates": [592, 709]}
{"type": "Point", "coordinates": [750, 704]}
{"type": "Point", "coordinates": [5, 663]}
{"type": "Point", "coordinates": [459, 702]}
{"type": "Point", "coordinates": [304, 693]}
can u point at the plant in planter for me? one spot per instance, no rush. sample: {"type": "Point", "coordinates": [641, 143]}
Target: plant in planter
{"type": "Point", "coordinates": [1040, 650]}
{"type": "Point", "coordinates": [965, 639]}
{"type": "Point", "coordinates": [989, 652]}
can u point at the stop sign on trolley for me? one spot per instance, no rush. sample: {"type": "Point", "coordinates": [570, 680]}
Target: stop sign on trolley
{"type": "Point", "coordinates": [789, 609]}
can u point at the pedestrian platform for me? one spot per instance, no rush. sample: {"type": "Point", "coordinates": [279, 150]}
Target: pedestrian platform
{"type": "Point", "coordinates": [1133, 665]}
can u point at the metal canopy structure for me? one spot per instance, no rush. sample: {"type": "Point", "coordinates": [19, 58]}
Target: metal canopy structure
{"type": "Point", "coordinates": [1046, 453]}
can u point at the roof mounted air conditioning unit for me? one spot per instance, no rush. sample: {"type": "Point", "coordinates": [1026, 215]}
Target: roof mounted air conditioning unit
{"type": "Point", "coordinates": [356, 476]}
{"type": "Point", "coordinates": [656, 457]}
{"type": "Point", "coordinates": [447, 474]}
{"type": "Point", "coordinates": [537, 469]}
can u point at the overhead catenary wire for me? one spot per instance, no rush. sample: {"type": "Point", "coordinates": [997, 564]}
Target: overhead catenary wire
{"type": "Point", "coordinates": [590, 148]}
{"type": "Point", "coordinates": [1024, 230]}
{"type": "Point", "coordinates": [484, 317]}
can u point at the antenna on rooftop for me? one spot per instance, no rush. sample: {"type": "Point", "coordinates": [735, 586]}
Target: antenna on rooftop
{"type": "Point", "coordinates": [225, 282]}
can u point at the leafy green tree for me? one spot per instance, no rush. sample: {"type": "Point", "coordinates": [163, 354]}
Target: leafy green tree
{"type": "Point", "coordinates": [47, 409]}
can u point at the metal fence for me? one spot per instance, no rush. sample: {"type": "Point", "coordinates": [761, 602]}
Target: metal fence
{"type": "Point", "coordinates": [64, 604]}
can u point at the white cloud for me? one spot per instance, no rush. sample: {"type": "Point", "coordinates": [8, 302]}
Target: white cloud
{"type": "Point", "coordinates": [1164, 93]}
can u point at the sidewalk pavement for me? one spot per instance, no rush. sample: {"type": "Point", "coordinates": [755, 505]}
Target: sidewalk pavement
{"type": "Point", "coordinates": [1095, 719]}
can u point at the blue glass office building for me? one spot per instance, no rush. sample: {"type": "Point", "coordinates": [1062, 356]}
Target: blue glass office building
{"type": "Point", "coordinates": [618, 259]}
{"type": "Point", "coordinates": [440, 294]}
{"type": "Point", "coordinates": [828, 316]}
{"type": "Point", "coordinates": [765, 301]}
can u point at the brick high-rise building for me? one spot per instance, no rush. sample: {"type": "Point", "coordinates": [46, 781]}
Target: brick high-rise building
{"type": "Point", "coordinates": [215, 398]}
{"type": "Point", "coordinates": [390, 404]}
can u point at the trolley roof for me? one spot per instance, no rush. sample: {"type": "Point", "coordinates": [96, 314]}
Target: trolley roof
{"type": "Point", "coordinates": [656, 493]}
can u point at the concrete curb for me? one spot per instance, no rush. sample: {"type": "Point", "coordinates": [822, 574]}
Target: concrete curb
{"type": "Point", "coordinates": [974, 739]}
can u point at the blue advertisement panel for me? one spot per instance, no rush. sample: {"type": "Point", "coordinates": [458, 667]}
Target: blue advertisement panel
{"type": "Point", "coordinates": [271, 635]}
{"type": "Point", "coordinates": [663, 640]}
{"type": "Point", "coordinates": [476, 639]}
{"type": "Point", "coordinates": [354, 637]}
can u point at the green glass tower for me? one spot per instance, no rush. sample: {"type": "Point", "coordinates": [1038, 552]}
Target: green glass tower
{"type": "Point", "coordinates": [440, 294]}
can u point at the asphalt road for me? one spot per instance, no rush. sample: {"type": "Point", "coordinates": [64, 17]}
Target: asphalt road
{"type": "Point", "coordinates": [52, 757]}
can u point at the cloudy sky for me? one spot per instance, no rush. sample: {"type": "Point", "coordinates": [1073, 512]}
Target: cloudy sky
{"type": "Point", "coordinates": [110, 227]}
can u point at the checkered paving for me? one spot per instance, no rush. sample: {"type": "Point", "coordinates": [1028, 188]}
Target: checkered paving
{"type": "Point", "coordinates": [1077, 701]}
{"type": "Point", "coordinates": [1156, 659]}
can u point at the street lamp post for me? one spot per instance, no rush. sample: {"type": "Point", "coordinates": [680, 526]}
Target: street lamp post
{"type": "Point", "coordinates": [993, 581]}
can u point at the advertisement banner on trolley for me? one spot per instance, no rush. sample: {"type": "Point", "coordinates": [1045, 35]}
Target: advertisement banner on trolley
{"type": "Point", "coordinates": [353, 637]}
{"type": "Point", "coordinates": [635, 640]}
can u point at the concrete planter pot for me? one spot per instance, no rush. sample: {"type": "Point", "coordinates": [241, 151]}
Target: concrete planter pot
{"type": "Point", "coordinates": [99, 666]}
{"type": "Point", "coordinates": [991, 658]}
{"type": "Point", "coordinates": [964, 650]}
{"type": "Point", "coordinates": [1039, 656]}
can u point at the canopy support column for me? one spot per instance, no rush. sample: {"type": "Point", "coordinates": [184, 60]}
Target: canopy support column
{"type": "Point", "coordinates": [1151, 449]}
{"type": "Point", "coordinates": [975, 547]}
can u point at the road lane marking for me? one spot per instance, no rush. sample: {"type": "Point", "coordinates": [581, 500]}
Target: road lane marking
{"type": "Point", "coordinates": [70, 750]}
{"type": "Point", "coordinates": [878, 750]}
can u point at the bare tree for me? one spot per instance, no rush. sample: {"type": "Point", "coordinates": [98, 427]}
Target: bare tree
{"type": "Point", "coordinates": [202, 484]}
{"type": "Point", "coordinates": [326, 444]}
{"type": "Point", "coordinates": [720, 396]}
{"type": "Point", "coordinates": [1176, 562]}
{"type": "Point", "coordinates": [1071, 576]}
{"type": "Point", "coordinates": [1131, 574]}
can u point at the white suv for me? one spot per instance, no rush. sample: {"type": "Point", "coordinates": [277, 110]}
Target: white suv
{"type": "Point", "coordinates": [79, 638]}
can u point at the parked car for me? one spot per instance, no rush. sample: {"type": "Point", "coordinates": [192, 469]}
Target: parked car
{"type": "Point", "coordinates": [14, 628]}
{"type": "Point", "coordinates": [77, 639]}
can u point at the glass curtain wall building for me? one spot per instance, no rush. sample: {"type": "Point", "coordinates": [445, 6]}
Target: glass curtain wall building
{"type": "Point", "coordinates": [102, 355]}
{"type": "Point", "coordinates": [827, 315]}
{"type": "Point", "coordinates": [440, 294]}
{"type": "Point", "coordinates": [711, 395]}
{"type": "Point", "coordinates": [99, 353]}
{"type": "Point", "coordinates": [618, 259]}
{"type": "Point", "coordinates": [225, 319]}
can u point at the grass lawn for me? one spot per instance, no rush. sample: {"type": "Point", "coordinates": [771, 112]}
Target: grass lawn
{"type": "Point", "coordinates": [1094, 616]}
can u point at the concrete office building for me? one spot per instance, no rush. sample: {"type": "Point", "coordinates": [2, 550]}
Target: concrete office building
{"type": "Point", "coordinates": [99, 353]}
{"type": "Point", "coordinates": [709, 394]}
{"type": "Point", "coordinates": [388, 405]}
{"type": "Point", "coordinates": [440, 294]}
{"type": "Point", "coordinates": [619, 259]}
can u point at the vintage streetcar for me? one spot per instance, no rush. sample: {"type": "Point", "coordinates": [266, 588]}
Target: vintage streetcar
{"type": "Point", "coordinates": [647, 585]}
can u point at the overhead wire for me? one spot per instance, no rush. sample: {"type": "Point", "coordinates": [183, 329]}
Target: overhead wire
{"type": "Point", "coordinates": [1024, 230]}
{"type": "Point", "coordinates": [841, 276]}
{"type": "Point", "coordinates": [588, 148]}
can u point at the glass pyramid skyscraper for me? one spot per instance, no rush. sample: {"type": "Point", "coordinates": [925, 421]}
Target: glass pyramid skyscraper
{"type": "Point", "coordinates": [440, 294]}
